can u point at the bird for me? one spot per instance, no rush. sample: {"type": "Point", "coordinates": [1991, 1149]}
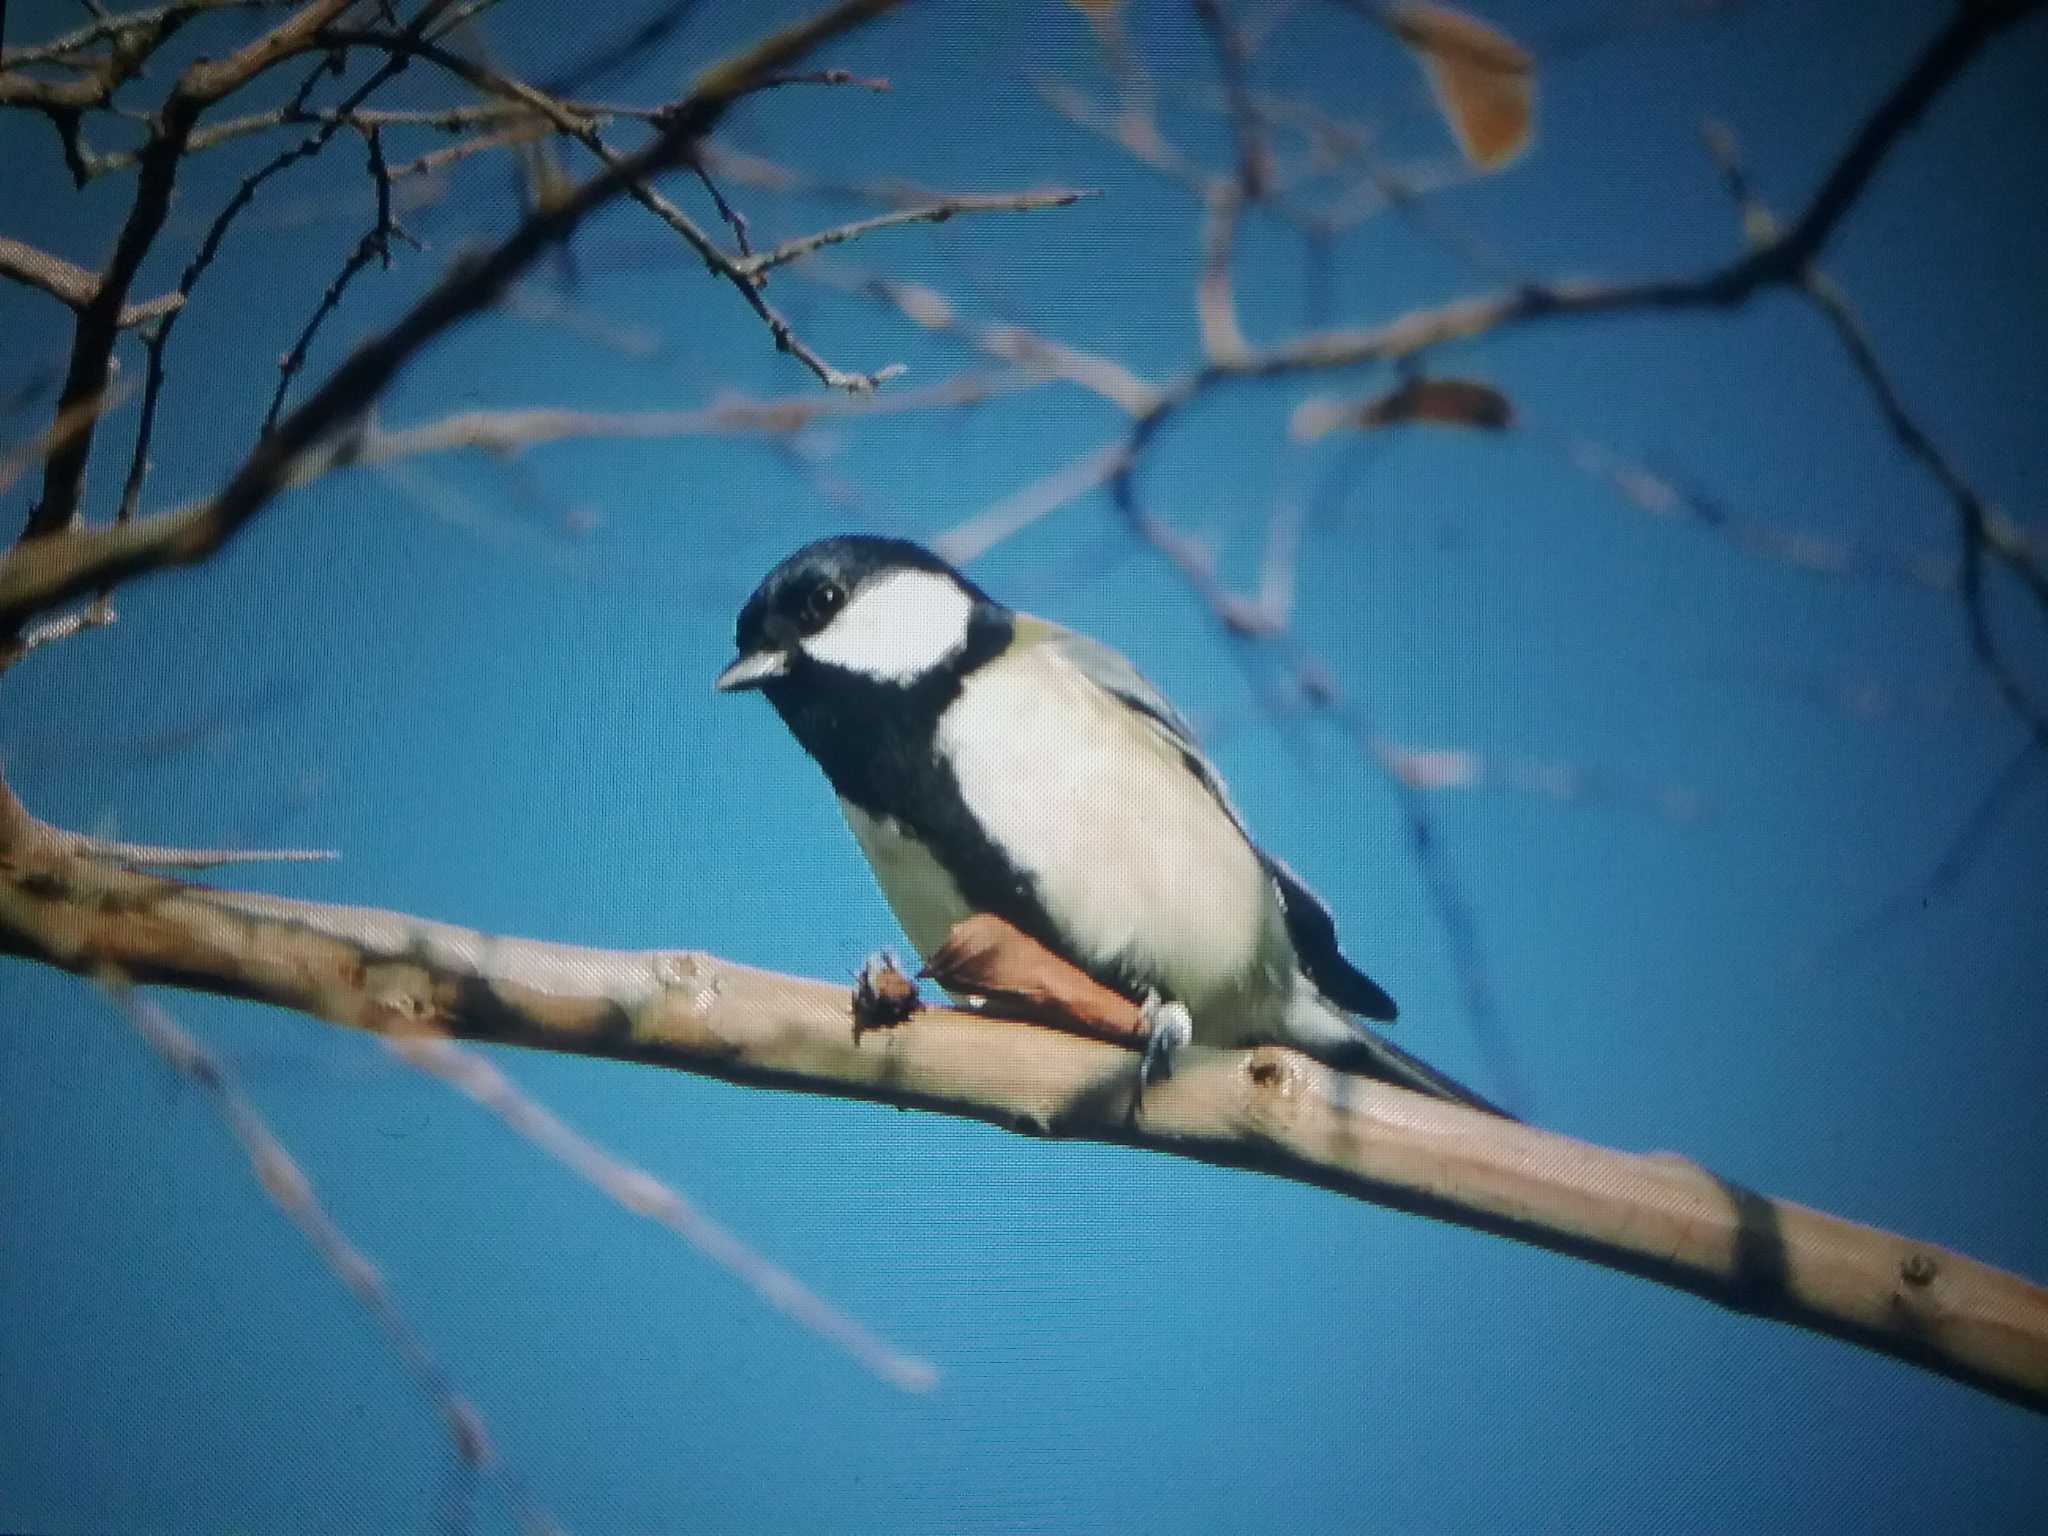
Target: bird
{"type": "Point", "coordinates": [988, 761]}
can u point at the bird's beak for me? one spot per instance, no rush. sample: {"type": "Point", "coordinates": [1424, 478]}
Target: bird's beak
{"type": "Point", "coordinates": [752, 670]}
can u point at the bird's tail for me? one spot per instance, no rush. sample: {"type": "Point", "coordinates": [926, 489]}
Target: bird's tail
{"type": "Point", "coordinates": [1366, 1054]}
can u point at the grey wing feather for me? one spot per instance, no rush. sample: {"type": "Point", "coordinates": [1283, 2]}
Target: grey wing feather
{"type": "Point", "coordinates": [1314, 933]}
{"type": "Point", "coordinates": [1113, 673]}
{"type": "Point", "coordinates": [1310, 927]}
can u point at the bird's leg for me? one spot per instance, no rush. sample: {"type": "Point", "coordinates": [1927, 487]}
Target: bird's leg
{"type": "Point", "coordinates": [1168, 1027]}
{"type": "Point", "coordinates": [1016, 977]}
{"type": "Point", "coordinates": [883, 996]}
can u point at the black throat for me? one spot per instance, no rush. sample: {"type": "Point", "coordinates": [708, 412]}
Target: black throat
{"type": "Point", "coordinates": [875, 739]}
{"type": "Point", "coordinates": [877, 742]}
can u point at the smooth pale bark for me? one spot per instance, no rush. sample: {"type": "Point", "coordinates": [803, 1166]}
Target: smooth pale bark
{"type": "Point", "coordinates": [1271, 1110]}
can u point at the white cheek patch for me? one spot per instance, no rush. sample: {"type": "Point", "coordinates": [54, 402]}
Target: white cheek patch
{"type": "Point", "coordinates": [897, 628]}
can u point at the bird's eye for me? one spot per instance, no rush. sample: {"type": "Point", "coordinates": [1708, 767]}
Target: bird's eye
{"type": "Point", "coordinates": [825, 599]}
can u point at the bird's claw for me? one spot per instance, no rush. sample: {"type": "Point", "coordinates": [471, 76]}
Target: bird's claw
{"type": "Point", "coordinates": [1168, 1028]}
{"type": "Point", "coordinates": [883, 995]}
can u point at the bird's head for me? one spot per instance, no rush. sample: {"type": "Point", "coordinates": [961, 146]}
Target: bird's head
{"type": "Point", "coordinates": [856, 607]}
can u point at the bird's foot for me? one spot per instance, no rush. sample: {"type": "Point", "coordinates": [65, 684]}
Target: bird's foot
{"type": "Point", "coordinates": [1168, 1028]}
{"type": "Point", "coordinates": [883, 995]}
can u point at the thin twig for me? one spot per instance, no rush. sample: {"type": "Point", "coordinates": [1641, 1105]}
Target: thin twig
{"type": "Point", "coordinates": [153, 856]}
{"type": "Point", "coordinates": [1971, 836]}
{"type": "Point", "coordinates": [288, 1188]}
{"type": "Point", "coordinates": [970, 540]}
{"type": "Point", "coordinates": [734, 219]}
{"type": "Point", "coordinates": [637, 187]}
{"type": "Point", "coordinates": [71, 423]}
{"type": "Point", "coordinates": [1254, 159]}
{"type": "Point", "coordinates": [199, 86]}
{"type": "Point", "coordinates": [1974, 516]}
{"type": "Point", "coordinates": [115, 25]}
{"type": "Point", "coordinates": [216, 233]}
{"type": "Point", "coordinates": [71, 284]}
{"type": "Point", "coordinates": [42, 573]}
{"type": "Point", "coordinates": [1095, 372]}
{"type": "Point", "coordinates": [1215, 296]}
{"type": "Point", "coordinates": [375, 245]}
{"type": "Point", "coordinates": [644, 1195]}
{"type": "Point", "coordinates": [96, 614]}
{"type": "Point", "coordinates": [825, 77]}
{"type": "Point", "coordinates": [926, 213]}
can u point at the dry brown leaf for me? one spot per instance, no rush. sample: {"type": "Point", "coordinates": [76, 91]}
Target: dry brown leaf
{"type": "Point", "coordinates": [1483, 80]}
{"type": "Point", "coordinates": [983, 956]}
{"type": "Point", "coordinates": [1444, 402]}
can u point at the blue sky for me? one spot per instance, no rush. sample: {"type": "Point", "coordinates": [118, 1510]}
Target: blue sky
{"type": "Point", "coordinates": [487, 684]}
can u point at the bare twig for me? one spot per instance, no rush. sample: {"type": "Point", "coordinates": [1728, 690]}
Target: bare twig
{"type": "Point", "coordinates": [1215, 298]}
{"type": "Point", "coordinates": [635, 45]}
{"type": "Point", "coordinates": [644, 1195]}
{"type": "Point", "coordinates": [1260, 620]}
{"type": "Point", "coordinates": [43, 572]}
{"type": "Point", "coordinates": [1133, 130]}
{"type": "Point", "coordinates": [522, 131]}
{"type": "Point", "coordinates": [1254, 160]}
{"type": "Point", "coordinates": [375, 245]}
{"type": "Point", "coordinates": [638, 187]}
{"type": "Point", "coordinates": [512, 431]}
{"type": "Point", "coordinates": [72, 284]}
{"type": "Point", "coordinates": [1098, 374]}
{"type": "Point", "coordinates": [153, 856]}
{"type": "Point", "coordinates": [116, 25]}
{"type": "Point", "coordinates": [96, 614]}
{"type": "Point", "coordinates": [825, 77]}
{"type": "Point", "coordinates": [1975, 518]}
{"type": "Point", "coordinates": [1970, 837]}
{"type": "Point", "coordinates": [1017, 511]}
{"type": "Point", "coordinates": [288, 1188]}
{"type": "Point", "coordinates": [200, 85]}
{"type": "Point", "coordinates": [926, 213]}
{"type": "Point", "coordinates": [452, 119]}
{"type": "Point", "coordinates": [72, 422]}
{"type": "Point", "coordinates": [158, 339]}
{"type": "Point", "coordinates": [734, 219]}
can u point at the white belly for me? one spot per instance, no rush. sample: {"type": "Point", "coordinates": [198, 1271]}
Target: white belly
{"type": "Point", "coordinates": [1133, 858]}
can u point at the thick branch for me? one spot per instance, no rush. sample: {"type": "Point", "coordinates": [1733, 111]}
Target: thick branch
{"type": "Point", "coordinates": [1269, 1110]}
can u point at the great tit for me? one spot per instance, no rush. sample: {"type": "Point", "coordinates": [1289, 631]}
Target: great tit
{"type": "Point", "coordinates": [988, 761]}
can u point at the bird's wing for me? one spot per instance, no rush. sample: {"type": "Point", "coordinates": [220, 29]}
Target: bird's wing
{"type": "Point", "coordinates": [1310, 927]}
{"type": "Point", "coordinates": [1114, 674]}
{"type": "Point", "coordinates": [1314, 934]}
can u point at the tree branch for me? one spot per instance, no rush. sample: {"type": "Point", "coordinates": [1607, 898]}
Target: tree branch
{"type": "Point", "coordinates": [92, 348]}
{"type": "Point", "coordinates": [116, 27]}
{"type": "Point", "coordinates": [1978, 523]}
{"type": "Point", "coordinates": [71, 284]}
{"type": "Point", "coordinates": [1269, 1110]}
{"type": "Point", "coordinates": [927, 213]}
{"type": "Point", "coordinates": [44, 571]}
{"type": "Point", "coordinates": [278, 1174]}
{"type": "Point", "coordinates": [638, 187]}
